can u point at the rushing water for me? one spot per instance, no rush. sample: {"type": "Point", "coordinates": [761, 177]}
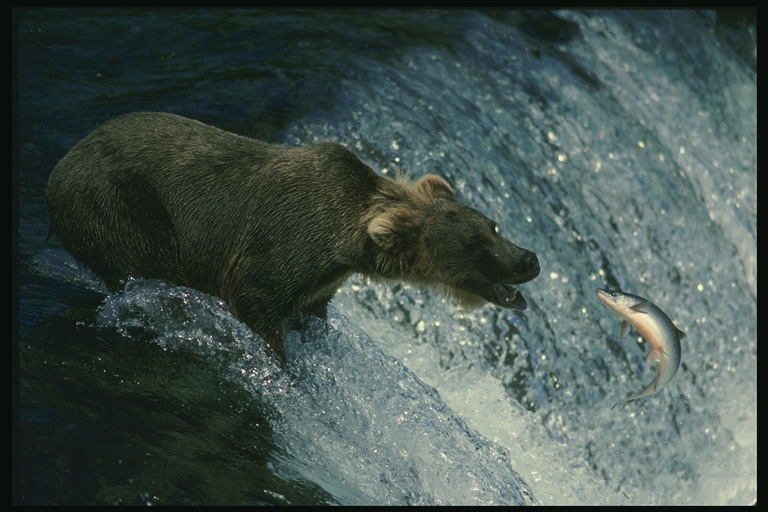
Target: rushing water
{"type": "Point", "coordinates": [620, 146]}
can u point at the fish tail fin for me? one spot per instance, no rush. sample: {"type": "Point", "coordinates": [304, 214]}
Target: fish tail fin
{"type": "Point", "coordinates": [622, 402]}
{"type": "Point", "coordinates": [626, 401]}
{"type": "Point", "coordinates": [649, 390]}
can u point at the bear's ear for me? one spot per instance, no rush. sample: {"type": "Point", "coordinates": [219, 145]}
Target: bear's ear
{"type": "Point", "coordinates": [431, 187]}
{"type": "Point", "coordinates": [393, 229]}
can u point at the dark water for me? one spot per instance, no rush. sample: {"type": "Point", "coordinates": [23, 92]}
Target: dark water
{"type": "Point", "coordinates": [618, 145]}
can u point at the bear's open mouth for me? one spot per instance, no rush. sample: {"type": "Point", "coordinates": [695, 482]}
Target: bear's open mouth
{"type": "Point", "coordinates": [508, 296]}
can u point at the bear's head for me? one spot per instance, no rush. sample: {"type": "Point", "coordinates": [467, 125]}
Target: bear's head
{"type": "Point", "coordinates": [431, 238]}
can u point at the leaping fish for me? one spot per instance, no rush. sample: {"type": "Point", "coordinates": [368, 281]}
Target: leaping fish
{"type": "Point", "coordinates": [655, 327]}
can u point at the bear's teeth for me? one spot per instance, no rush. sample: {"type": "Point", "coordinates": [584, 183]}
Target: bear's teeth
{"type": "Point", "coordinates": [508, 296]}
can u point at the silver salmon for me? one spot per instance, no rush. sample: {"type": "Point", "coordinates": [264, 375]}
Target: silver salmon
{"type": "Point", "coordinates": [657, 329]}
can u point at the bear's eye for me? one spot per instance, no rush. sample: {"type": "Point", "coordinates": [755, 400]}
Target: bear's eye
{"type": "Point", "coordinates": [489, 258]}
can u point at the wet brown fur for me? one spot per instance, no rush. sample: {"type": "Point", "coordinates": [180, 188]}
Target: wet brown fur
{"type": "Point", "coordinates": [272, 230]}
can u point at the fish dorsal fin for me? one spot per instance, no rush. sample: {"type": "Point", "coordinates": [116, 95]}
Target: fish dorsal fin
{"type": "Point", "coordinates": [641, 307]}
{"type": "Point", "coordinates": [681, 334]}
{"type": "Point", "coordinates": [624, 329]}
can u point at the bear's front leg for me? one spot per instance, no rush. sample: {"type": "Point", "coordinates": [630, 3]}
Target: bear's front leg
{"type": "Point", "coordinates": [319, 308]}
{"type": "Point", "coordinates": [265, 322]}
{"type": "Point", "coordinates": [275, 339]}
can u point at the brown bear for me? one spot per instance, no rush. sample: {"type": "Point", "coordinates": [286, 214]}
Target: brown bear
{"type": "Point", "coordinates": [271, 230]}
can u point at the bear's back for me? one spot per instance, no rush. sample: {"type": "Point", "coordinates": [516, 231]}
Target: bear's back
{"type": "Point", "coordinates": [162, 196]}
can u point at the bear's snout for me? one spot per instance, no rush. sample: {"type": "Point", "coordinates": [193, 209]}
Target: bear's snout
{"type": "Point", "coordinates": [519, 265]}
{"type": "Point", "coordinates": [530, 263]}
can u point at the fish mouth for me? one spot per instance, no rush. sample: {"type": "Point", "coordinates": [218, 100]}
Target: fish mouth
{"type": "Point", "coordinates": [508, 296]}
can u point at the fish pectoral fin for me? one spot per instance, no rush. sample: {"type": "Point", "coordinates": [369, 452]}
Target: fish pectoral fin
{"type": "Point", "coordinates": [641, 307]}
{"type": "Point", "coordinates": [624, 329]}
{"type": "Point", "coordinates": [680, 334]}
